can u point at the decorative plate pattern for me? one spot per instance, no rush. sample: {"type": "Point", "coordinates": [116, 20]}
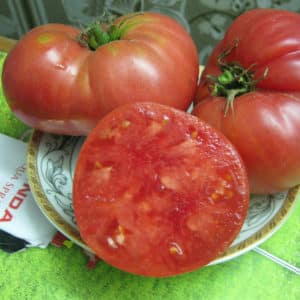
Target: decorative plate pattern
{"type": "Point", "coordinates": [51, 161]}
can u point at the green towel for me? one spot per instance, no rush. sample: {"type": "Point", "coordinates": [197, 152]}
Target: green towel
{"type": "Point", "coordinates": [61, 273]}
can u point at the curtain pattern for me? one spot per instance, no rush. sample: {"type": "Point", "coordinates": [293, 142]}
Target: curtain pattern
{"type": "Point", "coordinates": [206, 20]}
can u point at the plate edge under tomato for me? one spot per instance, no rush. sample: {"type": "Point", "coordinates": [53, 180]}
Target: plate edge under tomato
{"type": "Point", "coordinates": [61, 225]}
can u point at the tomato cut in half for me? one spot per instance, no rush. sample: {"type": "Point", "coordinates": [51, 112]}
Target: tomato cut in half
{"type": "Point", "coordinates": [158, 192]}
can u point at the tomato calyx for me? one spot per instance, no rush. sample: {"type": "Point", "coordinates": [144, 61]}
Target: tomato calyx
{"type": "Point", "coordinates": [234, 81]}
{"type": "Point", "coordinates": [100, 33]}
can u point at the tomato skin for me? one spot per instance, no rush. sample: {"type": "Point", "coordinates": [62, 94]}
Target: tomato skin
{"type": "Point", "coordinates": [265, 129]}
{"type": "Point", "coordinates": [264, 126]}
{"type": "Point", "coordinates": [157, 192]}
{"type": "Point", "coordinates": [54, 84]}
{"type": "Point", "coordinates": [266, 39]}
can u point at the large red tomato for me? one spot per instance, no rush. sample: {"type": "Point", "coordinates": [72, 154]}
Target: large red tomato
{"type": "Point", "coordinates": [56, 84]}
{"type": "Point", "coordinates": [250, 91]}
{"type": "Point", "coordinates": [158, 192]}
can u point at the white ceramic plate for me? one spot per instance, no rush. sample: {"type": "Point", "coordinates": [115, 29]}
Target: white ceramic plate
{"type": "Point", "coordinates": [51, 161]}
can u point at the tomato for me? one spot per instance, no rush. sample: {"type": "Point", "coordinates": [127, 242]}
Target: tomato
{"type": "Point", "coordinates": [261, 119]}
{"type": "Point", "coordinates": [55, 83]}
{"type": "Point", "coordinates": [158, 192]}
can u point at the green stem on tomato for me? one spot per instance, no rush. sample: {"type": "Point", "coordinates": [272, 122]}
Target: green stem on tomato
{"type": "Point", "coordinates": [95, 36]}
{"type": "Point", "coordinates": [102, 37]}
{"type": "Point", "coordinates": [104, 31]}
{"type": "Point", "coordinates": [234, 80]}
{"type": "Point", "coordinates": [100, 33]}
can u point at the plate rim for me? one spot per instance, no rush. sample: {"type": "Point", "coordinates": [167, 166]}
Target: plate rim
{"type": "Point", "coordinates": [61, 225]}
{"type": "Point", "coordinates": [41, 199]}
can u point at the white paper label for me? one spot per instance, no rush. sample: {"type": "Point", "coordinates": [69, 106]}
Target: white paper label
{"type": "Point", "coordinates": [19, 214]}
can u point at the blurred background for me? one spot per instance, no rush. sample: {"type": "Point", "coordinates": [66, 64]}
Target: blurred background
{"type": "Point", "coordinates": [206, 20]}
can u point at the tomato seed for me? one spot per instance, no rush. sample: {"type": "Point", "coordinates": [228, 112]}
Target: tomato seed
{"type": "Point", "coordinates": [175, 249]}
{"type": "Point", "coordinates": [112, 243]}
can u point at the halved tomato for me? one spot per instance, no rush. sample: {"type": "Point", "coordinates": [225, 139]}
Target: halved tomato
{"type": "Point", "coordinates": [158, 192]}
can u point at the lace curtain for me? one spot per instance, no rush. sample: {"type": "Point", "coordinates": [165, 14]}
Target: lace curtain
{"type": "Point", "coordinates": [206, 20]}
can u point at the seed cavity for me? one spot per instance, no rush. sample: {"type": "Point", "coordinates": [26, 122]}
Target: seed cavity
{"type": "Point", "coordinates": [224, 189]}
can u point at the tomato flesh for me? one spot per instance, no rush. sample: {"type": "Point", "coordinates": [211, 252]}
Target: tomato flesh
{"type": "Point", "coordinates": [158, 192]}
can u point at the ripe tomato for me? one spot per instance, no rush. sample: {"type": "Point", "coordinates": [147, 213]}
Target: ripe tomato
{"type": "Point", "coordinates": [54, 83]}
{"type": "Point", "coordinates": [261, 48]}
{"type": "Point", "coordinates": [157, 192]}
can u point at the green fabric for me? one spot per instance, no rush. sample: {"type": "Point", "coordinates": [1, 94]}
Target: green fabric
{"type": "Point", "coordinates": [9, 124]}
{"type": "Point", "coordinates": [61, 273]}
